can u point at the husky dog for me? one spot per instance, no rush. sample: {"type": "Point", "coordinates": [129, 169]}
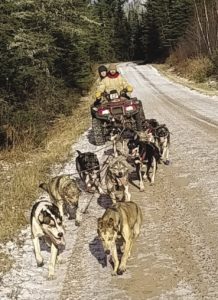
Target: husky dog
{"type": "Point", "coordinates": [122, 220]}
{"type": "Point", "coordinates": [151, 123]}
{"type": "Point", "coordinates": [46, 222]}
{"type": "Point", "coordinates": [64, 191]}
{"type": "Point", "coordinates": [118, 141]}
{"type": "Point", "coordinates": [88, 167]}
{"type": "Point", "coordinates": [147, 135]}
{"type": "Point", "coordinates": [116, 179]}
{"type": "Point", "coordinates": [162, 141]}
{"type": "Point", "coordinates": [144, 153]}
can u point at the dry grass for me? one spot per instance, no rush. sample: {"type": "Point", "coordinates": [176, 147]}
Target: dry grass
{"type": "Point", "coordinates": [198, 69]}
{"type": "Point", "coordinates": [5, 263]}
{"type": "Point", "coordinates": [21, 172]}
{"type": "Point", "coordinates": [189, 76]}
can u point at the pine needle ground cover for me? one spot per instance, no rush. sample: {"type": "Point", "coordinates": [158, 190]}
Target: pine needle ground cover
{"type": "Point", "coordinates": [21, 173]}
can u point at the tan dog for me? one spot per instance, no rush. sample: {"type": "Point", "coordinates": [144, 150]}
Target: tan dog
{"type": "Point", "coordinates": [116, 179]}
{"type": "Point", "coordinates": [118, 141]}
{"type": "Point", "coordinates": [63, 190]}
{"type": "Point", "coordinates": [121, 220]}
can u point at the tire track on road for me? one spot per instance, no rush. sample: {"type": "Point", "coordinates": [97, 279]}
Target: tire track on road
{"type": "Point", "coordinates": [186, 111]}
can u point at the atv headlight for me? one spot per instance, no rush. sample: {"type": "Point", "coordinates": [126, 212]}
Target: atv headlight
{"type": "Point", "coordinates": [129, 108]}
{"type": "Point", "coordinates": [105, 112]}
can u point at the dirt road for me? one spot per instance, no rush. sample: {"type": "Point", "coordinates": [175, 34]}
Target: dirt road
{"type": "Point", "coordinates": [176, 255]}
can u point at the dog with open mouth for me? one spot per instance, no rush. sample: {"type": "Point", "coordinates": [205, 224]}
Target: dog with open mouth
{"type": "Point", "coordinates": [88, 167]}
{"type": "Point", "coordinates": [46, 222]}
{"type": "Point", "coordinates": [116, 179]}
{"type": "Point", "coordinates": [64, 192]}
{"type": "Point", "coordinates": [121, 222]}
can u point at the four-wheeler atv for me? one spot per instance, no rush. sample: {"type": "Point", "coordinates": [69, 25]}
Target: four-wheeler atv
{"type": "Point", "coordinates": [116, 111]}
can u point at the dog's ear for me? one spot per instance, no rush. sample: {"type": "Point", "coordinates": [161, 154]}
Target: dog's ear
{"type": "Point", "coordinates": [44, 186]}
{"type": "Point", "coordinates": [116, 228]}
{"type": "Point", "coordinates": [41, 218]}
{"type": "Point", "coordinates": [111, 222]}
{"type": "Point", "coordinates": [79, 152]}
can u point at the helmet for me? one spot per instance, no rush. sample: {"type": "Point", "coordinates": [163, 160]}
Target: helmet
{"type": "Point", "coordinates": [102, 68]}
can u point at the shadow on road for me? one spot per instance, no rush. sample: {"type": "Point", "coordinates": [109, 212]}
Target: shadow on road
{"type": "Point", "coordinates": [90, 137]}
{"type": "Point", "coordinates": [97, 251]}
{"type": "Point", "coordinates": [104, 201]}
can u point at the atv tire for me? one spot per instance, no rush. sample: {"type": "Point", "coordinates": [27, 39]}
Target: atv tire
{"type": "Point", "coordinates": [140, 119]}
{"type": "Point", "coordinates": [99, 138]}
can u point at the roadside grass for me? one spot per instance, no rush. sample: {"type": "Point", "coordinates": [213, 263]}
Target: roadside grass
{"type": "Point", "coordinates": [21, 172]}
{"type": "Point", "coordinates": [5, 263]}
{"type": "Point", "coordinates": [204, 86]}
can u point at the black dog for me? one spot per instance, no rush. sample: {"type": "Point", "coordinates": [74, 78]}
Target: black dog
{"type": "Point", "coordinates": [162, 141]}
{"type": "Point", "coordinates": [150, 124]}
{"type": "Point", "coordinates": [88, 167]}
{"type": "Point", "coordinates": [144, 153]}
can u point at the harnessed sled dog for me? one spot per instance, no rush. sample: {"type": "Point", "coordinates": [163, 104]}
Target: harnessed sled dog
{"type": "Point", "coordinates": [46, 222]}
{"type": "Point", "coordinates": [116, 179]}
{"type": "Point", "coordinates": [116, 137]}
{"type": "Point", "coordinates": [64, 191]}
{"type": "Point", "coordinates": [88, 167]}
{"type": "Point", "coordinates": [144, 153]}
{"type": "Point", "coordinates": [121, 221]}
{"type": "Point", "coordinates": [162, 141]}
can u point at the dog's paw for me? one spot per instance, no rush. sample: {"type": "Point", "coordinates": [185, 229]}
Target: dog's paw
{"type": "Point", "coordinates": [40, 263]}
{"type": "Point", "coordinates": [51, 277]}
{"type": "Point", "coordinates": [167, 162]}
{"type": "Point", "coordinates": [121, 271]}
{"type": "Point", "coordinates": [77, 223]}
{"type": "Point", "coordinates": [113, 273]}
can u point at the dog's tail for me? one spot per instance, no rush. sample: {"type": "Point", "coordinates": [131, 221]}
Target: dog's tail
{"type": "Point", "coordinates": [44, 186]}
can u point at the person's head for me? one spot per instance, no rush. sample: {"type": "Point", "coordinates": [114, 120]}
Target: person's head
{"type": "Point", "coordinates": [112, 69]}
{"type": "Point", "coordinates": [102, 71]}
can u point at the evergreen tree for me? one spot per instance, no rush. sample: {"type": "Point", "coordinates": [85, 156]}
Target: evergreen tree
{"type": "Point", "coordinates": [165, 21]}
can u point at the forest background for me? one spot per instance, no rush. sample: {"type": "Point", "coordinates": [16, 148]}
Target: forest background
{"type": "Point", "coordinates": [49, 51]}
{"type": "Point", "coordinates": [49, 54]}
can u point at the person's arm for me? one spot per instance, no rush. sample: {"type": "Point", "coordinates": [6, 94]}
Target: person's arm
{"type": "Point", "coordinates": [100, 88]}
{"type": "Point", "coordinates": [125, 85]}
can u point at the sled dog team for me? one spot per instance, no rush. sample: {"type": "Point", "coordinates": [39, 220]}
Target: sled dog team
{"type": "Point", "coordinates": [122, 220]}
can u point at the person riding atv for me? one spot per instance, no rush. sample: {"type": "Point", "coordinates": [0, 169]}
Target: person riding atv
{"type": "Point", "coordinates": [113, 81]}
{"type": "Point", "coordinates": [114, 107]}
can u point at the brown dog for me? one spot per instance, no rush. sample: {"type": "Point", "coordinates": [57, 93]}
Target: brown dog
{"type": "Point", "coordinates": [123, 220]}
{"type": "Point", "coordinates": [63, 190]}
{"type": "Point", "coordinates": [116, 179]}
